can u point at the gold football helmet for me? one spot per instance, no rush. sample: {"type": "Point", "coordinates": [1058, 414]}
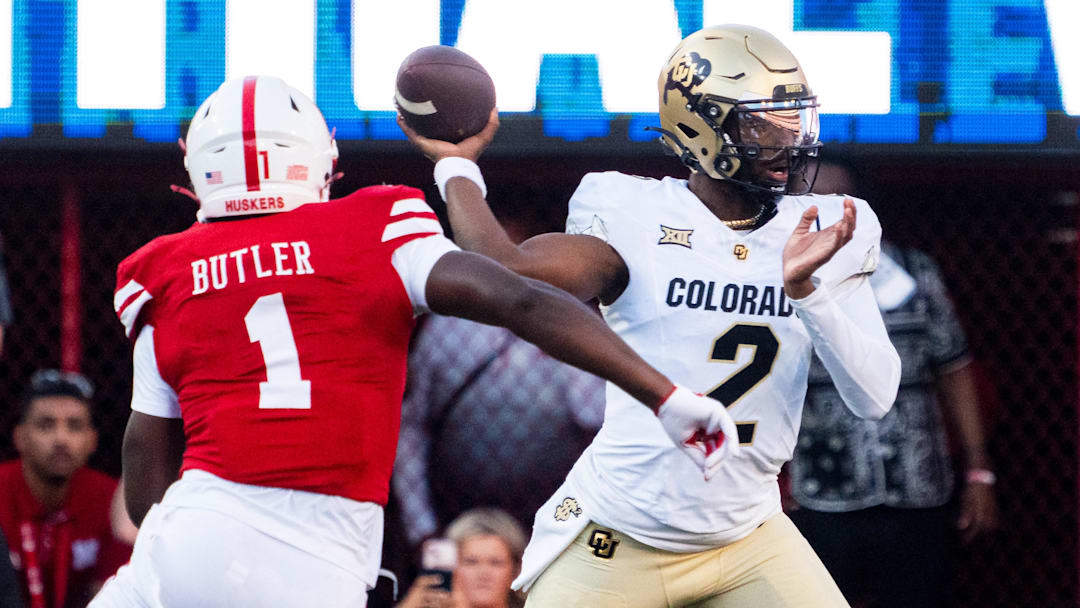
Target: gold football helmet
{"type": "Point", "coordinates": [735, 104]}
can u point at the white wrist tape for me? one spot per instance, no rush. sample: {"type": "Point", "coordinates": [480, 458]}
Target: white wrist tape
{"type": "Point", "coordinates": [456, 166]}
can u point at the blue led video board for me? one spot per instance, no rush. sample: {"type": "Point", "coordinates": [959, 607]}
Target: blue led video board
{"type": "Point", "coordinates": [925, 75]}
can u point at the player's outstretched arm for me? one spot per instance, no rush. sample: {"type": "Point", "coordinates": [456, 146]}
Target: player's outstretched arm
{"type": "Point", "coordinates": [152, 451]}
{"type": "Point", "coordinates": [848, 336]}
{"type": "Point", "coordinates": [467, 285]}
{"type": "Point", "coordinates": [582, 265]}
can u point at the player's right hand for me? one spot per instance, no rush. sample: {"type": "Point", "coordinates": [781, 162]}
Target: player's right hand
{"type": "Point", "coordinates": [701, 427]}
{"type": "Point", "coordinates": [470, 147]}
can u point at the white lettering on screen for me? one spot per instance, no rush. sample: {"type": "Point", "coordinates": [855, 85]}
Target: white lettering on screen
{"type": "Point", "coordinates": [276, 39]}
{"type": "Point", "coordinates": [120, 61]}
{"type": "Point", "coordinates": [7, 49]}
{"type": "Point", "coordinates": [1062, 16]}
{"type": "Point", "coordinates": [378, 47]}
{"type": "Point", "coordinates": [851, 72]}
{"type": "Point", "coordinates": [630, 45]}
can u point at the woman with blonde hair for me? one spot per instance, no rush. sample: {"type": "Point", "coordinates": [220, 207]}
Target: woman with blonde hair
{"type": "Point", "coordinates": [490, 543]}
{"type": "Point", "coordinates": [489, 547]}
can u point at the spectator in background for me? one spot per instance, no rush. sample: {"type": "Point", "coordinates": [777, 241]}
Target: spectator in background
{"type": "Point", "coordinates": [54, 511]}
{"type": "Point", "coordinates": [487, 420]}
{"type": "Point", "coordinates": [874, 495]}
{"type": "Point", "coordinates": [490, 543]}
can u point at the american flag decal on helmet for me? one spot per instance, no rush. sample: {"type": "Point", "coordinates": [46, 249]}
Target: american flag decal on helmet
{"type": "Point", "coordinates": [296, 172]}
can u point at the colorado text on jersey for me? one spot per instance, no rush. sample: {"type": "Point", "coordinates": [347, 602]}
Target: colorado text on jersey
{"type": "Point", "coordinates": [769, 300]}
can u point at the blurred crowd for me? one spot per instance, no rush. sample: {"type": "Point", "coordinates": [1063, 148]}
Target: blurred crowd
{"type": "Point", "coordinates": [490, 427]}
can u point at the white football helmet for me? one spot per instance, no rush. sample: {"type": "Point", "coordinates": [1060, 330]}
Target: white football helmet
{"type": "Point", "coordinates": [257, 145]}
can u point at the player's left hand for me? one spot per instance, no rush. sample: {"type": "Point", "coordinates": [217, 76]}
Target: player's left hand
{"type": "Point", "coordinates": [807, 251]}
{"type": "Point", "coordinates": [470, 147]}
{"type": "Point", "coordinates": [978, 511]}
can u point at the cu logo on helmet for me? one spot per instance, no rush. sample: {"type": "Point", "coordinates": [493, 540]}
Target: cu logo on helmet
{"type": "Point", "coordinates": [691, 71]}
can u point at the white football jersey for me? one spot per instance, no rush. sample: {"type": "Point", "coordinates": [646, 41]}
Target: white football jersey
{"type": "Point", "coordinates": [705, 306]}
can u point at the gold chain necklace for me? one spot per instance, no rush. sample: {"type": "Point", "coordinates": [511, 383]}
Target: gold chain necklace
{"type": "Point", "coordinates": [746, 223]}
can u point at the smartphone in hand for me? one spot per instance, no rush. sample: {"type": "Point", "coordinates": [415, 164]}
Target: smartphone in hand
{"type": "Point", "coordinates": [438, 556]}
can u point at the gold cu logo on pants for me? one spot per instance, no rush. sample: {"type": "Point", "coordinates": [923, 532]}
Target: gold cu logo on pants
{"type": "Point", "coordinates": [601, 543]}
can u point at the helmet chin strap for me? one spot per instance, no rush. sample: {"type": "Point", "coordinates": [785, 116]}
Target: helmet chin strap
{"type": "Point", "coordinates": [184, 191]}
{"type": "Point", "coordinates": [330, 180]}
{"type": "Point", "coordinates": [767, 205]}
{"type": "Point", "coordinates": [188, 193]}
{"type": "Point", "coordinates": [686, 156]}
{"type": "Point", "coordinates": [765, 196]}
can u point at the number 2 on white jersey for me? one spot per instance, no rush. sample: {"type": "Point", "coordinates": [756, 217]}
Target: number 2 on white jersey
{"type": "Point", "coordinates": [745, 379]}
{"type": "Point", "coordinates": [268, 324]}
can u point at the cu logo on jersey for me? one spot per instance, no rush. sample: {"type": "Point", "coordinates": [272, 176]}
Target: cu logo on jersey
{"type": "Point", "coordinates": [691, 71]}
{"type": "Point", "coordinates": [602, 544]}
{"type": "Point", "coordinates": [741, 252]}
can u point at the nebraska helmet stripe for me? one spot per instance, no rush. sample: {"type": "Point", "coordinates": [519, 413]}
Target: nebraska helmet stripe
{"type": "Point", "coordinates": [247, 117]}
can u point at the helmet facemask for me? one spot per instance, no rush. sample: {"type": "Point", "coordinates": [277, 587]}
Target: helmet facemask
{"type": "Point", "coordinates": [773, 145]}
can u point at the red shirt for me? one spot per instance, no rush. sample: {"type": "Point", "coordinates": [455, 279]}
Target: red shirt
{"type": "Point", "coordinates": [75, 544]}
{"type": "Point", "coordinates": [309, 296]}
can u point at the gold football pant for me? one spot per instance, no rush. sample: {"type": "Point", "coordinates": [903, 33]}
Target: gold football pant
{"type": "Point", "coordinates": [773, 567]}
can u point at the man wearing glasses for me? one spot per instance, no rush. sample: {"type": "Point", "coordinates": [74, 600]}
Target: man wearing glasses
{"type": "Point", "coordinates": [54, 511]}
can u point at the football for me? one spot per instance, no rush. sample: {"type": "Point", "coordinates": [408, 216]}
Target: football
{"type": "Point", "coordinates": [443, 93]}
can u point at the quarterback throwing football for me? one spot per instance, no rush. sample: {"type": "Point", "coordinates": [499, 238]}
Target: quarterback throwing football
{"type": "Point", "coordinates": [270, 342]}
{"type": "Point", "coordinates": [725, 282]}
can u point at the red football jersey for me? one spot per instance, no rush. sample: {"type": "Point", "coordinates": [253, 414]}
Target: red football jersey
{"type": "Point", "coordinates": [285, 339]}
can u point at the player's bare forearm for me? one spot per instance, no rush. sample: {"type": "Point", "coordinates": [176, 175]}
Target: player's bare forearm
{"type": "Point", "coordinates": [582, 265]}
{"type": "Point", "coordinates": [581, 338]}
{"type": "Point", "coordinates": [475, 288]}
{"type": "Point", "coordinates": [152, 452]}
{"type": "Point", "coordinates": [474, 225]}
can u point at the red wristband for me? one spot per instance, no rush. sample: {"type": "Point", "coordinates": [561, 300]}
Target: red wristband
{"type": "Point", "coordinates": [656, 408]}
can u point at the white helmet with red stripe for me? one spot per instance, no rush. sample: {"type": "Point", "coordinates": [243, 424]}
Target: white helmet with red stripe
{"type": "Point", "coordinates": [257, 145]}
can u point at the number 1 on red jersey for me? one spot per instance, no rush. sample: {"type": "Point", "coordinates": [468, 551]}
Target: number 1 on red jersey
{"type": "Point", "coordinates": [268, 324]}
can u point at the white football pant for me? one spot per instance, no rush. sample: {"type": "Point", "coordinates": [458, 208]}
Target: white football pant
{"type": "Point", "coordinates": [196, 557]}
